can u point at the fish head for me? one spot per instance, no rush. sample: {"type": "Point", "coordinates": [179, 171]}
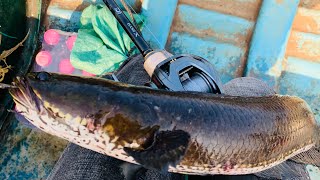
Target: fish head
{"type": "Point", "coordinates": [71, 91]}
{"type": "Point", "coordinates": [74, 101]}
{"type": "Point", "coordinates": [24, 97]}
{"type": "Point", "coordinates": [61, 96]}
{"type": "Point", "coordinates": [59, 105]}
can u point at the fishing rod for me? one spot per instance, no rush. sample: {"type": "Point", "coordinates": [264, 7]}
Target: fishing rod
{"type": "Point", "coordinates": [183, 72]}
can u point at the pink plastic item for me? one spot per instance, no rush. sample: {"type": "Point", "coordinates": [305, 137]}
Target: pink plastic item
{"type": "Point", "coordinates": [70, 42]}
{"type": "Point", "coordinates": [66, 67]}
{"type": "Point", "coordinates": [51, 37]}
{"type": "Point", "coordinates": [44, 58]}
{"type": "Point", "coordinates": [85, 73]}
{"type": "Point", "coordinates": [57, 45]}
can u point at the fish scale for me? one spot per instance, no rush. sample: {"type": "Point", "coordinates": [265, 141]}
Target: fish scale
{"type": "Point", "coordinates": [185, 132]}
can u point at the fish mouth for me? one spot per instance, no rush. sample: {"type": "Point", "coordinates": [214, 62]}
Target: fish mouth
{"type": "Point", "coordinates": [24, 96]}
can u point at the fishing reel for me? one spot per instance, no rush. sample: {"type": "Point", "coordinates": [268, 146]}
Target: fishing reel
{"type": "Point", "coordinates": [183, 72]}
{"type": "Point", "coordinates": [175, 73]}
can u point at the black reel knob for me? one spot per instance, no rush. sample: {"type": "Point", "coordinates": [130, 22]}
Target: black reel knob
{"type": "Point", "coordinates": [186, 73]}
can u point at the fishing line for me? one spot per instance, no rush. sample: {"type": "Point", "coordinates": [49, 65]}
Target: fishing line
{"type": "Point", "coordinates": [149, 30]}
{"type": "Point", "coordinates": [158, 42]}
{"type": "Point", "coordinates": [125, 5]}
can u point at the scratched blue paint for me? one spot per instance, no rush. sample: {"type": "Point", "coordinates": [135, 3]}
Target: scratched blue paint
{"type": "Point", "coordinates": [308, 37]}
{"type": "Point", "coordinates": [303, 67]}
{"type": "Point", "coordinates": [160, 15]}
{"type": "Point", "coordinates": [218, 47]}
{"type": "Point", "coordinates": [270, 39]}
{"type": "Point", "coordinates": [302, 78]}
{"type": "Point", "coordinates": [314, 172]}
{"type": "Point", "coordinates": [225, 57]}
{"type": "Point", "coordinates": [309, 44]}
{"type": "Point", "coordinates": [226, 26]}
{"type": "Point", "coordinates": [26, 153]}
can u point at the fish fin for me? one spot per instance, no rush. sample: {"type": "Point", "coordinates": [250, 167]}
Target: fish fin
{"type": "Point", "coordinates": [247, 86]}
{"type": "Point", "coordinates": [312, 157]}
{"type": "Point", "coordinates": [286, 170]}
{"type": "Point", "coordinates": [129, 170]}
{"type": "Point", "coordinates": [167, 148]}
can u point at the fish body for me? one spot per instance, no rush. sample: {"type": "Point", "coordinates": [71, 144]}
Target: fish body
{"type": "Point", "coordinates": [183, 132]}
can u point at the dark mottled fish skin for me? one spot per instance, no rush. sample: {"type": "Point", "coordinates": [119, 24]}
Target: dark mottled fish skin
{"type": "Point", "coordinates": [228, 134]}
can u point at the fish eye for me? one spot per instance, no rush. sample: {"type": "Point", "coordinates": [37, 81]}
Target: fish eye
{"type": "Point", "coordinates": [43, 76]}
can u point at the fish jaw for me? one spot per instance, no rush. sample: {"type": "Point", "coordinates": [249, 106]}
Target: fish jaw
{"type": "Point", "coordinates": [24, 97]}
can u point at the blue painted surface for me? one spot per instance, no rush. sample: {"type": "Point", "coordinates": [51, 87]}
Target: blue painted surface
{"type": "Point", "coordinates": [302, 78]}
{"type": "Point", "coordinates": [222, 25]}
{"type": "Point", "coordinates": [25, 153]}
{"type": "Point", "coordinates": [160, 15]}
{"type": "Point", "coordinates": [270, 39]}
{"type": "Point", "coordinates": [219, 44]}
{"type": "Point", "coordinates": [307, 38]}
{"type": "Point", "coordinates": [225, 57]}
{"type": "Point", "coordinates": [314, 172]}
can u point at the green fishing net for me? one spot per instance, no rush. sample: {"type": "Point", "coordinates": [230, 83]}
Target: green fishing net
{"type": "Point", "coordinates": [102, 44]}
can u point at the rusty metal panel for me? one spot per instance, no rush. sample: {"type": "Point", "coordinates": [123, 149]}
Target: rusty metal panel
{"type": "Point", "coordinates": [307, 20]}
{"type": "Point", "coordinates": [219, 31]}
{"type": "Point", "coordinates": [246, 9]}
{"type": "Point", "coordinates": [290, 59]}
{"type": "Point", "coordinates": [301, 78]}
{"type": "Point", "coordinates": [301, 73]}
{"type": "Point", "coordinates": [304, 45]}
{"type": "Point", "coordinates": [285, 49]}
{"type": "Point", "coordinates": [269, 41]}
{"type": "Point", "coordinates": [26, 153]}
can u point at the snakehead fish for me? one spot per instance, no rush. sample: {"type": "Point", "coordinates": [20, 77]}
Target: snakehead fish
{"type": "Point", "coordinates": [182, 132]}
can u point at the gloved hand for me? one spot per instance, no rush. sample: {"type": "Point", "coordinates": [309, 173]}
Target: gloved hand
{"type": "Point", "coordinates": [80, 163]}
